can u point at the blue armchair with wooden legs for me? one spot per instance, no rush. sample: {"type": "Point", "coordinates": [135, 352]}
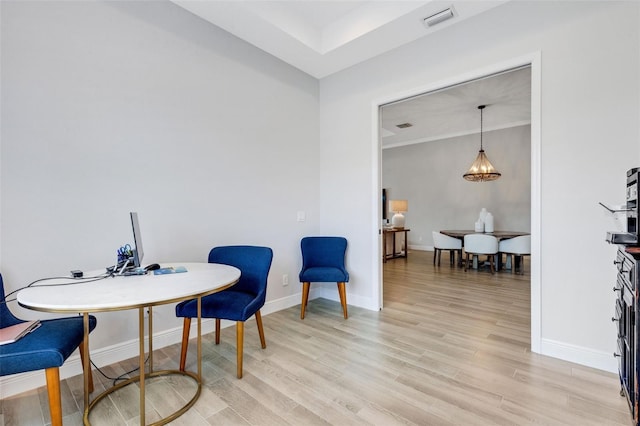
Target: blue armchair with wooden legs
{"type": "Point", "coordinates": [237, 303]}
{"type": "Point", "coordinates": [323, 261]}
{"type": "Point", "coordinates": [45, 348]}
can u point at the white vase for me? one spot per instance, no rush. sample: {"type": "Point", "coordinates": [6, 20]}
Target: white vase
{"type": "Point", "coordinates": [483, 215]}
{"type": "Point", "coordinates": [479, 226]}
{"type": "Point", "coordinates": [488, 223]}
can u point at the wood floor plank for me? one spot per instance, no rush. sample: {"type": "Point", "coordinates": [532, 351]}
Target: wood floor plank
{"type": "Point", "coordinates": [227, 417]}
{"type": "Point", "coordinates": [25, 409]}
{"type": "Point", "coordinates": [245, 405]}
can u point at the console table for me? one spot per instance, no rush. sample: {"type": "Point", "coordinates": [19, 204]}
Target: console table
{"type": "Point", "coordinates": [394, 254]}
{"type": "Point", "coordinates": [140, 292]}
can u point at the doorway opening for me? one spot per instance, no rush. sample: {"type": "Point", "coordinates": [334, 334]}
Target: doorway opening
{"type": "Point", "coordinates": [468, 90]}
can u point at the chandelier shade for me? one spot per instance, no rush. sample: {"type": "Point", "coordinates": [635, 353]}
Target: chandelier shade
{"type": "Point", "coordinates": [481, 169]}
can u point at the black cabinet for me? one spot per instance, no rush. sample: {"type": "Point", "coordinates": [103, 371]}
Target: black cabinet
{"type": "Point", "coordinates": [626, 312]}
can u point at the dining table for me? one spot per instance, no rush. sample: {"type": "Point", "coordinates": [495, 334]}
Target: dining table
{"type": "Point", "coordinates": [500, 235]}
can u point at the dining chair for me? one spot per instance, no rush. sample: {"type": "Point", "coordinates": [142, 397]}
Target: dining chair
{"type": "Point", "coordinates": [516, 248]}
{"type": "Point", "coordinates": [45, 348]}
{"type": "Point", "coordinates": [480, 244]}
{"type": "Point", "coordinates": [237, 303]}
{"type": "Point", "coordinates": [323, 261]}
{"type": "Point", "coordinates": [445, 242]}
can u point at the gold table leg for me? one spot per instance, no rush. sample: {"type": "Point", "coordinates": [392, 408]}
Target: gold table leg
{"type": "Point", "coordinates": [200, 340]}
{"type": "Point", "coordinates": [86, 366]}
{"type": "Point", "coordinates": [141, 362]}
{"type": "Point", "coordinates": [150, 310]}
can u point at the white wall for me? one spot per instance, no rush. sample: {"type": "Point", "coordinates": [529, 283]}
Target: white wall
{"type": "Point", "coordinates": [589, 138]}
{"type": "Point", "coordinates": [111, 107]}
{"type": "Point", "coordinates": [429, 176]}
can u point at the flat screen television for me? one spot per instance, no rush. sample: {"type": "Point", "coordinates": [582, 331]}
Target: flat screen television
{"type": "Point", "coordinates": [138, 253]}
{"type": "Point", "coordinates": [384, 205]}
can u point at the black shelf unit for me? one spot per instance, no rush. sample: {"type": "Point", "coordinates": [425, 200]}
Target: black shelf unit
{"type": "Point", "coordinates": [627, 288]}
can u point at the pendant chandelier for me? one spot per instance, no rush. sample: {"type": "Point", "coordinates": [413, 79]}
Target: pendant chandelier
{"type": "Point", "coordinates": [481, 170]}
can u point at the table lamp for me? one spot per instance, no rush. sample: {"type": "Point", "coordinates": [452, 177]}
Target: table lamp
{"type": "Point", "coordinates": [398, 207]}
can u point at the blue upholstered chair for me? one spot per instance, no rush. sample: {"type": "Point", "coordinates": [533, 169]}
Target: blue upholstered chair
{"type": "Point", "coordinates": [323, 261]}
{"type": "Point", "coordinates": [237, 303]}
{"type": "Point", "coordinates": [45, 348]}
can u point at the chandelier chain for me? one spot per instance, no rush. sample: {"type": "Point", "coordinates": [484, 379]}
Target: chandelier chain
{"type": "Point", "coordinates": [481, 108]}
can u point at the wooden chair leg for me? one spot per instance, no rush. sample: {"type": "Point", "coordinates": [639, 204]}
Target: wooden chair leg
{"type": "Point", "coordinates": [82, 355]}
{"type": "Point", "coordinates": [263, 342]}
{"type": "Point", "coordinates": [491, 256]}
{"type": "Point", "coordinates": [343, 298]}
{"type": "Point", "coordinates": [466, 262]}
{"type": "Point", "coordinates": [53, 390]}
{"type": "Point", "coordinates": [186, 327]}
{"type": "Point", "coordinates": [520, 260]}
{"type": "Point", "coordinates": [217, 331]}
{"type": "Point", "coordinates": [239, 346]}
{"type": "Point", "coordinates": [435, 255]}
{"type": "Point", "coordinates": [305, 298]}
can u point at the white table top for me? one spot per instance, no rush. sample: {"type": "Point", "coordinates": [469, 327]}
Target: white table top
{"type": "Point", "coordinates": [128, 292]}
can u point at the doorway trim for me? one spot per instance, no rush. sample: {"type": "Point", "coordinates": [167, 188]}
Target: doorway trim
{"type": "Point", "coordinates": [534, 61]}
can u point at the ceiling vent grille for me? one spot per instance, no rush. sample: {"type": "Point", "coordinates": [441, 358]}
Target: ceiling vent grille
{"type": "Point", "coordinates": [436, 18]}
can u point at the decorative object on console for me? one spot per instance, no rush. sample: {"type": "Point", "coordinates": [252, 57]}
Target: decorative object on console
{"type": "Point", "coordinates": [398, 207]}
{"type": "Point", "coordinates": [481, 169]}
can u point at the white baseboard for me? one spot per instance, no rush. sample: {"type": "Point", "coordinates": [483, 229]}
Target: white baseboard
{"type": "Point", "coordinates": [580, 355]}
{"type": "Point", "coordinates": [330, 291]}
{"type": "Point", "coordinates": [420, 248]}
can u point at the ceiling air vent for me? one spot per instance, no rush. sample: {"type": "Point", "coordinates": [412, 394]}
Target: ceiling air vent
{"type": "Point", "coordinates": [404, 125]}
{"type": "Point", "coordinates": [436, 18]}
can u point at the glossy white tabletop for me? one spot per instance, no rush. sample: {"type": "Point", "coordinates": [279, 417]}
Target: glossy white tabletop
{"type": "Point", "coordinates": [127, 292]}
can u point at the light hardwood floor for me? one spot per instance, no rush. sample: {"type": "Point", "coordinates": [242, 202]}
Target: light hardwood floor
{"type": "Point", "coordinates": [448, 348]}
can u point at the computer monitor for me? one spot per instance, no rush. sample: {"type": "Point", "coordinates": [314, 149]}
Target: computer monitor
{"type": "Point", "coordinates": [138, 253]}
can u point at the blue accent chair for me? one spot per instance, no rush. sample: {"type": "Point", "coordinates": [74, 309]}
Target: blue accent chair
{"type": "Point", "coordinates": [323, 261]}
{"type": "Point", "coordinates": [45, 348]}
{"type": "Point", "coordinates": [237, 303]}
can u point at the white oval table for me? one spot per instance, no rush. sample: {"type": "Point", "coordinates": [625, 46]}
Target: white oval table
{"type": "Point", "coordinates": [115, 293]}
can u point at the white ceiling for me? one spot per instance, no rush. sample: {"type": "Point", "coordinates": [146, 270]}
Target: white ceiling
{"type": "Point", "coordinates": [454, 111]}
{"type": "Point", "coordinates": [323, 37]}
